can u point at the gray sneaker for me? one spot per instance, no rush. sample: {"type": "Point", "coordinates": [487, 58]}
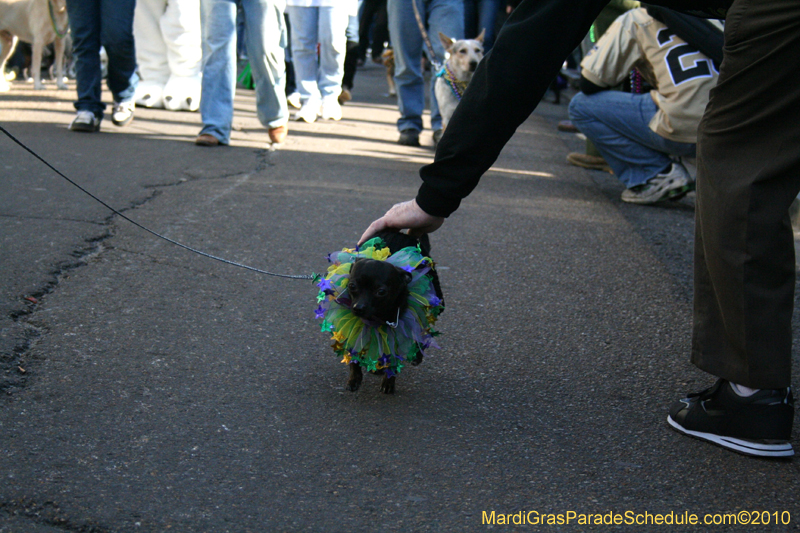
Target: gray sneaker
{"type": "Point", "coordinates": [669, 186]}
{"type": "Point", "coordinates": [85, 121]}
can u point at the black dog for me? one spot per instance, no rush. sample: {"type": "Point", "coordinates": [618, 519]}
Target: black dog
{"type": "Point", "coordinates": [379, 292]}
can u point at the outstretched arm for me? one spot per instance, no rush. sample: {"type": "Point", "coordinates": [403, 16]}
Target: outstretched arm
{"type": "Point", "coordinates": [507, 86]}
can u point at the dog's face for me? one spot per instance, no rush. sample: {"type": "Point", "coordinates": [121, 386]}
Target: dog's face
{"type": "Point", "coordinates": [378, 290]}
{"type": "Point", "coordinates": [465, 54]}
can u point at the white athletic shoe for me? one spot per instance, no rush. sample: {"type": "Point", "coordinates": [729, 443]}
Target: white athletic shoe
{"type": "Point", "coordinates": [331, 109]}
{"type": "Point", "coordinates": [672, 185]}
{"type": "Point", "coordinates": [122, 115]}
{"type": "Point", "coordinates": [309, 112]}
{"type": "Point", "coordinates": [294, 100]}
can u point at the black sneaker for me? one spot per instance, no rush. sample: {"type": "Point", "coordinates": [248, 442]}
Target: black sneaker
{"type": "Point", "coordinates": [759, 425]}
{"type": "Point", "coordinates": [409, 138]}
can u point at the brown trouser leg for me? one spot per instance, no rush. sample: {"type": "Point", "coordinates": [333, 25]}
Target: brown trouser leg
{"type": "Point", "coordinates": [748, 175]}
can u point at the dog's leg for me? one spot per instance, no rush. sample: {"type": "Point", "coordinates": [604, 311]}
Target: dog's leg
{"type": "Point", "coordinates": [354, 381]}
{"type": "Point", "coordinates": [36, 63]}
{"type": "Point", "coordinates": [387, 384]}
{"type": "Point", "coordinates": [8, 43]}
{"type": "Point", "coordinates": [59, 51]}
{"type": "Point", "coordinates": [390, 76]}
{"type": "Point", "coordinates": [392, 86]}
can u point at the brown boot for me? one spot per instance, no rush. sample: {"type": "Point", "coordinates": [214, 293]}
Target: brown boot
{"type": "Point", "coordinates": [278, 135]}
{"type": "Point", "coordinates": [588, 161]}
{"type": "Point", "coordinates": [568, 126]}
{"type": "Point", "coordinates": [206, 140]}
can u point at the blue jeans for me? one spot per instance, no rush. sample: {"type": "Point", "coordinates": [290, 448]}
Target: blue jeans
{"type": "Point", "coordinates": [265, 36]}
{"type": "Point", "coordinates": [107, 23]}
{"type": "Point", "coordinates": [446, 16]}
{"type": "Point", "coordinates": [618, 125]}
{"type": "Point", "coordinates": [481, 15]}
{"type": "Point", "coordinates": [328, 27]}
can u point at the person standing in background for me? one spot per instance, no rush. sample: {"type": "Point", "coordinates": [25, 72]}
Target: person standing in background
{"type": "Point", "coordinates": [265, 37]}
{"type": "Point", "coordinates": [319, 82]}
{"type": "Point", "coordinates": [481, 15]}
{"type": "Point", "coordinates": [106, 23]}
{"type": "Point", "coordinates": [446, 16]}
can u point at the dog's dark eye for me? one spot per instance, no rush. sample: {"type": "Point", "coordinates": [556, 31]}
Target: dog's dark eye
{"type": "Point", "coordinates": [352, 287]}
{"type": "Point", "coordinates": [462, 51]}
{"type": "Point", "coordinates": [381, 293]}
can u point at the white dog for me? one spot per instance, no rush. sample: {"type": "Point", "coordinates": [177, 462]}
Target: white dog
{"type": "Point", "coordinates": [463, 57]}
{"type": "Point", "coordinates": [39, 22]}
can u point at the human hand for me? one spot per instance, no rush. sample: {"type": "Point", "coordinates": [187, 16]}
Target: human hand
{"type": "Point", "coordinates": [406, 215]}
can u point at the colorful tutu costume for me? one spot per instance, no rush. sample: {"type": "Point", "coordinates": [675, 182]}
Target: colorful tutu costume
{"type": "Point", "coordinates": [373, 345]}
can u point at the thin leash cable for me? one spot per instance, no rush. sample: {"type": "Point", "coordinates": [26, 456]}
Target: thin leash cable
{"type": "Point", "coordinates": [148, 230]}
{"type": "Point", "coordinates": [436, 65]}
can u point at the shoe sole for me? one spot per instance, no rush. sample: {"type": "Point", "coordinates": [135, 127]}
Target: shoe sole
{"type": "Point", "coordinates": [590, 166]}
{"type": "Point", "coordinates": [85, 128]}
{"type": "Point", "coordinates": [122, 123]}
{"type": "Point", "coordinates": [409, 143]}
{"type": "Point", "coordinates": [671, 192]}
{"type": "Point", "coordinates": [745, 447]}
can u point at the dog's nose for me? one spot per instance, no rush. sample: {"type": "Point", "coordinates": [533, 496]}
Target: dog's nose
{"type": "Point", "coordinates": [359, 310]}
{"type": "Point", "coordinates": [473, 65]}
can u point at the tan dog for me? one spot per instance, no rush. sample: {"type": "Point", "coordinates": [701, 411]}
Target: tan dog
{"type": "Point", "coordinates": [463, 58]}
{"type": "Point", "coordinates": [387, 57]}
{"type": "Point", "coordinates": [38, 22]}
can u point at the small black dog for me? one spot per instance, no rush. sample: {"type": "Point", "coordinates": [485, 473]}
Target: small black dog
{"type": "Point", "coordinates": [379, 291]}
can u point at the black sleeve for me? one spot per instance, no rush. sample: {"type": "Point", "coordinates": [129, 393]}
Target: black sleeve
{"type": "Point", "coordinates": [588, 87]}
{"type": "Point", "coordinates": [506, 87]}
{"type": "Point", "coordinates": [696, 31]}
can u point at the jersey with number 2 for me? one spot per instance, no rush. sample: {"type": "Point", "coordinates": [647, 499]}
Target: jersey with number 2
{"type": "Point", "coordinates": [681, 75]}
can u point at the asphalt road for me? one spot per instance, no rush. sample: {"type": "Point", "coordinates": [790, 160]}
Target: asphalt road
{"type": "Point", "coordinates": [148, 389]}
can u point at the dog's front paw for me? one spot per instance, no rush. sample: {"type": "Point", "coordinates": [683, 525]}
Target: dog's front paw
{"type": "Point", "coordinates": [387, 385]}
{"type": "Point", "coordinates": [353, 384]}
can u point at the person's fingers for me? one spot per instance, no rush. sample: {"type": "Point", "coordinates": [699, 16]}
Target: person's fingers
{"type": "Point", "coordinates": [389, 219]}
{"type": "Point", "coordinates": [375, 227]}
{"type": "Point", "coordinates": [405, 215]}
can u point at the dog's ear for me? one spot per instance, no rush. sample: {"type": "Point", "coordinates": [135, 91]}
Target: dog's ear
{"type": "Point", "coordinates": [406, 275]}
{"type": "Point", "coordinates": [447, 42]}
{"type": "Point", "coordinates": [479, 38]}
